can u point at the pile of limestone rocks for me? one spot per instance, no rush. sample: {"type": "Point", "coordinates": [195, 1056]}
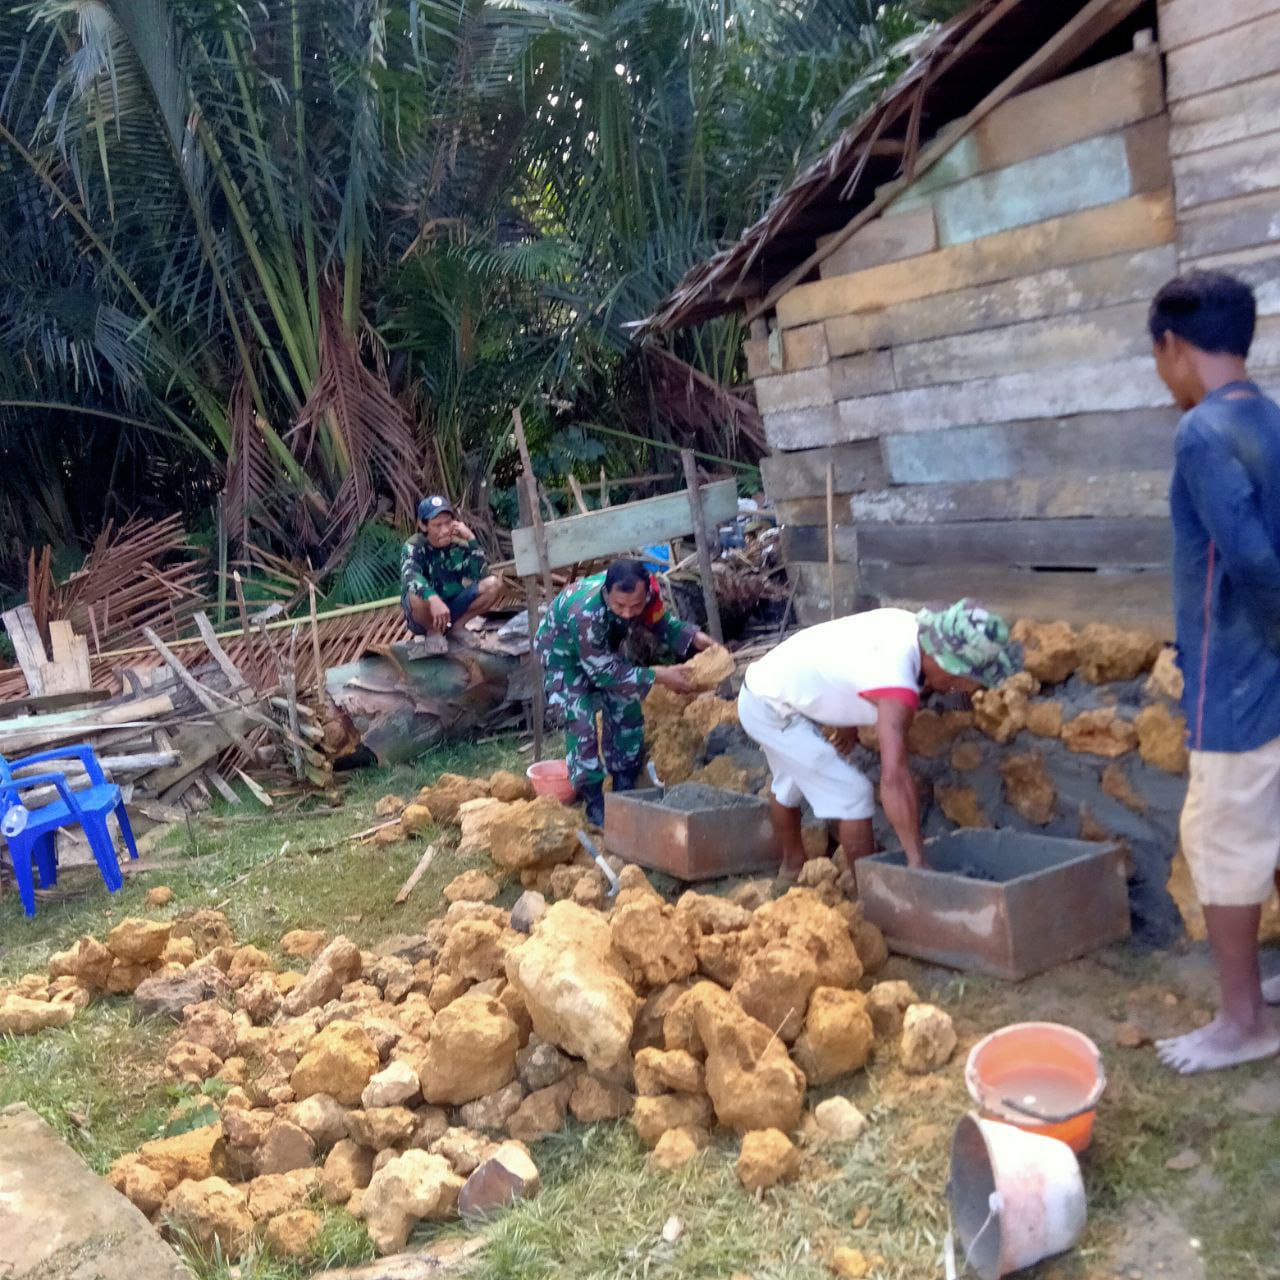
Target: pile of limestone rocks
{"type": "Point", "coordinates": [406, 1084]}
{"type": "Point", "coordinates": [132, 954]}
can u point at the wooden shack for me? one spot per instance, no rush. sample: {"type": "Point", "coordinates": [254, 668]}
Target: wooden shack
{"type": "Point", "coordinates": [948, 309]}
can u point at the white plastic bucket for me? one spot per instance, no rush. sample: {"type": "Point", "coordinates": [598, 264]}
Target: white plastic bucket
{"type": "Point", "coordinates": [1016, 1197]}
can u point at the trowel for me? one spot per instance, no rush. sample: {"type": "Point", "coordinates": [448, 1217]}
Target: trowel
{"type": "Point", "coordinates": [657, 782]}
{"type": "Point", "coordinates": [605, 869]}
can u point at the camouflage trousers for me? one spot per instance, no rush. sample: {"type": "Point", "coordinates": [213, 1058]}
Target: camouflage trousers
{"type": "Point", "coordinates": [622, 727]}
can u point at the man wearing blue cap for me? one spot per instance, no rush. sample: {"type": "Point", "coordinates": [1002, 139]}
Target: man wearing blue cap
{"type": "Point", "coordinates": [442, 572]}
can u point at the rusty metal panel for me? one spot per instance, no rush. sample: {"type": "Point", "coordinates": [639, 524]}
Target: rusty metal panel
{"type": "Point", "coordinates": [1003, 903]}
{"type": "Point", "coordinates": [732, 839]}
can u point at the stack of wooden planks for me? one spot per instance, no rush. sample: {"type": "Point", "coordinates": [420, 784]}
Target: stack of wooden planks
{"type": "Point", "coordinates": [180, 730]}
{"type": "Point", "coordinates": [973, 364]}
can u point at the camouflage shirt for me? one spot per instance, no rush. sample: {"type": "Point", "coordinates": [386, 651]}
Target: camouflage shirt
{"type": "Point", "coordinates": [427, 571]}
{"type": "Point", "coordinates": [580, 637]}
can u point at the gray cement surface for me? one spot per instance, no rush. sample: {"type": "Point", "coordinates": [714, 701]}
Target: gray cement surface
{"type": "Point", "coordinates": [60, 1221]}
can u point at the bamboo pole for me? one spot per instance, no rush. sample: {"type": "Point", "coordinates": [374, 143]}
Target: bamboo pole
{"type": "Point", "coordinates": [831, 535]}
{"type": "Point", "coordinates": [702, 540]}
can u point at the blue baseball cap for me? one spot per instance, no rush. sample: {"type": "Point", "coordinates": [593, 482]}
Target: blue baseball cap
{"type": "Point", "coordinates": [434, 506]}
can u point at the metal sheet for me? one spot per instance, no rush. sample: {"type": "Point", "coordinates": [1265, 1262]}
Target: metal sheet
{"type": "Point", "coordinates": [1049, 901]}
{"type": "Point", "coordinates": [701, 844]}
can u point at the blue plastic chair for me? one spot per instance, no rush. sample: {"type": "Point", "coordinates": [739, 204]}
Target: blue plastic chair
{"type": "Point", "coordinates": [88, 807]}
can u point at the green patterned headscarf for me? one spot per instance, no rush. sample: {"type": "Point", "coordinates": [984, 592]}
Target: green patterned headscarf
{"type": "Point", "coordinates": [967, 640]}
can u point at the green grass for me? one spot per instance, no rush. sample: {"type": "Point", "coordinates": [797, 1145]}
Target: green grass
{"type": "Point", "coordinates": [602, 1208]}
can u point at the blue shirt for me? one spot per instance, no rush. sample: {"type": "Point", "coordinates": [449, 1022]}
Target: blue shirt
{"type": "Point", "coordinates": [1225, 503]}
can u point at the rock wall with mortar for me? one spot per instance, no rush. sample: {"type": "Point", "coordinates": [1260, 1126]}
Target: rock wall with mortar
{"type": "Point", "coordinates": [1087, 743]}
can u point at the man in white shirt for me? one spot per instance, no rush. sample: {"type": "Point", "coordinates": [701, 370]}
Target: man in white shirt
{"type": "Point", "coordinates": [863, 670]}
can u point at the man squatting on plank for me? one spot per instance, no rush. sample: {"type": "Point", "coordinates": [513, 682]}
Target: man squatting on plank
{"type": "Point", "coordinates": [1225, 505]}
{"type": "Point", "coordinates": [863, 670]}
{"type": "Point", "coordinates": [442, 572]}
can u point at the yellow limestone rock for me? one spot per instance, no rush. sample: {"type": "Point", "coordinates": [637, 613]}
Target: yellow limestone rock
{"type": "Point", "coordinates": [1111, 653]}
{"type": "Point", "coordinates": [1101, 733]}
{"type": "Point", "coordinates": [960, 805]}
{"type": "Point", "coordinates": [1162, 738]}
{"type": "Point", "coordinates": [1165, 680]}
{"type": "Point", "coordinates": [711, 667]}
{"type": "Point", "coordinates": [1050, 649]}
{"type": "Point", "coordinates": [1028, 789]}
{"type": "Point", "coordinates": [767, 1157]}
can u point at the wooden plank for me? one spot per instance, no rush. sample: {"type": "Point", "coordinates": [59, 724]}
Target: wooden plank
{"type": "Point", "coordinates": [28, 647]}
{"type": "Point", "coordinates": [857, 466]}
{"type": "Point", "coordinates": [1136, 223]}
{"type": "Point", "coordinates": [1230, 57]}
{"type": "Point", "coordinates": [803, 348]}
{"type": "Point", "coordinates": [1106, 96]}
{"type": "Point", "coordinates": [1236, 169]}
{"type": "Point", "coordinates": [1228, 225]}
{"type": "Point", "coordinates": [1036, 345]}
{"type": "Point", "coordinates": [812, 586]}
{"type": "Point", "coordinates": [1139, 440]}
{"type": "Point", "coordinates": [857, 375]}
{"type": "Point", "coordinates": [1049, 393]}
{"type": "Point", "coordinates": [70, 652]}
{"type": "Point", "coordinates": [805, 512]}
{"type": "Point", "coordinates": [1122, 599]}
{"type": "Point", "coordinates": [416, 874]}
{"type": "Point", "coordinates": [1130, 493]}
{"type": "Point", "coordinates": [1226, 115]}
{"type": "Point", "coordinates": [889, 238]}
{"type": "Point", "coordinates": [1259, 268]}
{"type": "Point", "coordinates": [1080, 33]}
{"type": "Point", "coordinates": [1124, 277]}
{"type": "Point", "coordinates": [703, 531]}
{"type": "Point", "coordinates": [622, 528]}
{"type": "Point", "coordinates": [808, 542]}
{"type": "Point", "coordinates": [1081, 543]}
{"type": "Point", "coordinates": [1095, 171]}
{"type": "Point", "coordinates": [1183, 22]}
{"type": "Point", "coordinates": [802, 428]}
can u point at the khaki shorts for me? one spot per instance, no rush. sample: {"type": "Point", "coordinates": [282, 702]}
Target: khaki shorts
{"type": "Point", "coordinates": [1231, 825]}
{"type": "Point", "coordinates": [805, 765]}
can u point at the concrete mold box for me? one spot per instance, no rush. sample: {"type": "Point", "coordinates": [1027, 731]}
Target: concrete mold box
{"type": "Point", "coordinates": [691, 832]}
{"type": "Point", "coordinates": [1002, 903]}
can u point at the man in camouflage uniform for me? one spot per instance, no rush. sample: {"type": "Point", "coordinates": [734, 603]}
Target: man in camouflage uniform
{"type": "Point", "coordinates": [579, 644]}
{"type": "Point", "coordinates": [442, 578]}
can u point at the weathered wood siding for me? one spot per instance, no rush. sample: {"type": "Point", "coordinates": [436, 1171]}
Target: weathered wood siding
{"type": "Point", "coordinates": [974, 363]}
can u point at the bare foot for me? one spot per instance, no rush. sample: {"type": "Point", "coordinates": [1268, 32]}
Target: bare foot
{"type": "Point", "coordinates": [1271, 990]}
{"type": "Point", "coordinates": [1220, 1044]}
{"type": "Point", "coordinates": [788, 874]}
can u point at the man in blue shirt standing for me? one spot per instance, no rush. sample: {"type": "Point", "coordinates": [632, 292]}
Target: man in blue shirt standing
{"type": "Point", "coordinates": [1225, 504]}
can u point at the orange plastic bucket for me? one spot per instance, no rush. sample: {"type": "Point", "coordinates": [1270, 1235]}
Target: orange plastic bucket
{"type": "Point", "coordinates": [551, 778]}
{"type": "Point", "coordinates": [1040, 1076]}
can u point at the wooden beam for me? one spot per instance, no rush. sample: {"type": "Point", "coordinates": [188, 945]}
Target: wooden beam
{"type": "Point", "coordinates": [1051, 393]}
{"type": "Point", "coordinates": [803, 474]}
{"type": "Point", "coordinates": [1121, 599]}
{"type": "Point", "coordinates": [535, 514]}
{"type": "Point", "coordinates": [1116, 332]}
{"type": "Point", "coordinates": [1134, 493]}
{"type": "Point", "coordinates": [1138, 222]}
{"type": "Point", "coordinates": [1139, 440]}
{"type": "Point", "coordinates": [623, 528]}
{"type": "Point", "coordinates": [1228, 57]}
{"type": "Point", "coordinates": [1123, 542]}
{"type": "Point", "coordinates": [1225, 115]}
{"type": "Point", "coordinates": [1183, 22]}
{"type": "Point", "coordinates": [28, 647]}
{"type": "Point", "coordinates": [1094, 21]}
{"type": "Point", "coordinates": [702, 533]}
{"type": "Point", "coordinates": [1032, 294]}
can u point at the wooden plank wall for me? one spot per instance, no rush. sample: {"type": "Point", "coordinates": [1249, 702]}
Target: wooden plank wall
{"type": "Point", "coordinates": [974, 363]}
{"type": "Point", "coordinates": [1223, 66]}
